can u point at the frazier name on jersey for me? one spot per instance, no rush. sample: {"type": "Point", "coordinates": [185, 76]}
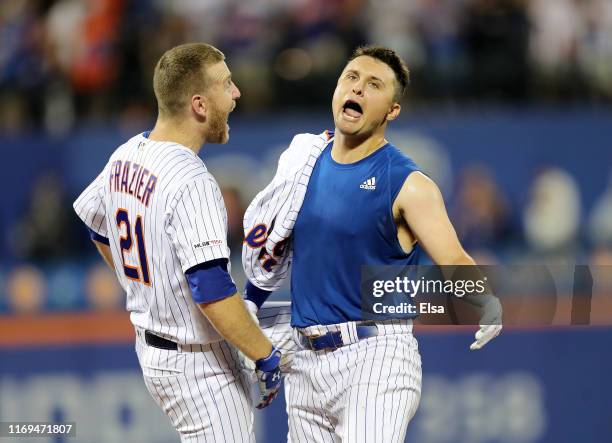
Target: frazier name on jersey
{"type": "Point", "coordinates": [130, 178]}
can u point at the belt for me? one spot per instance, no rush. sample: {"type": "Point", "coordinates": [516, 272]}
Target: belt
{"type": "Point", "coordinates": [333, 340]}
{"type": "Point", "coordinates": [159, 342]}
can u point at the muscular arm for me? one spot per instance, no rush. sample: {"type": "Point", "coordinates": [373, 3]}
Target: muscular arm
{"type": "Point", "coordinates": [422, 207]}
{"type": "Point", "coordinates": [231, 319]}
{"type": "Point", "coordinates": [105, 252]}
{"type": "Point", "coordinates": [229, 316]}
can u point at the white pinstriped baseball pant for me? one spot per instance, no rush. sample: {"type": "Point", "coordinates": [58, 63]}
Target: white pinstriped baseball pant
{"type": "Point", "coordinates": [367, 391]}
{"type": "Point", "coordinates": [201, 389]}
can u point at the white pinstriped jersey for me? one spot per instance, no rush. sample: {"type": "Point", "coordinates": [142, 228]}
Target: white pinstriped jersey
{"type": "Point", "coordinates": [268, 221]}
{"type": "Point", "coordinates": [163, 213]}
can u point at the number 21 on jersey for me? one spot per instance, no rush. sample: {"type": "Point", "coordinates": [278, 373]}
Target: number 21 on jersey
{"type": "Point", "coordinates": [126, 241]}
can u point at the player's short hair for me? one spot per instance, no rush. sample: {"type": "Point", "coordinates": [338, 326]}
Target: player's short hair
{"type": "Point", "coordinates": [391, 59]}
{"type": "Point", "coordinates": [180, 73]}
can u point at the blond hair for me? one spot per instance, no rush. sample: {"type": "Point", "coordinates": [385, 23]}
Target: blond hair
{"type": "Point", "coordinates": [180, 73]}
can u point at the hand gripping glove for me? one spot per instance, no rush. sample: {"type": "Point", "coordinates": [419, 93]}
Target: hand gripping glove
{"type": "Point", "coordinates": [269, 377]}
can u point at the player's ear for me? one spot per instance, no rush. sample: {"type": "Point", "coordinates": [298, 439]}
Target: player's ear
{"type": "Point", "coordinates": [394, 112]}
{"type": "Point", "coordinates": [198, 106]}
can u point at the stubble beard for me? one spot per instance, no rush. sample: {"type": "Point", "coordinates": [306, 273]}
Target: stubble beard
{"type": "Point", "coordinates": [216, 128]}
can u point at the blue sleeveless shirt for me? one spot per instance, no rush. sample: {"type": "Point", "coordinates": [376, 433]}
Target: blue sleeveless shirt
{"type": "Point", "coordinates": [346, 221]}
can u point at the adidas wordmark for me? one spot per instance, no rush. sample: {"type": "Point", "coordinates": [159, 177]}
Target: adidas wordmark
{"type": "Point", "coordinates": [369, 184]}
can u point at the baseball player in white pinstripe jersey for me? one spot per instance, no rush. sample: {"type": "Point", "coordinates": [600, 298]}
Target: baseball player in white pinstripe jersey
{"type": "Point", "coordinates": [364, 203]}
{"type": "Point", "coordinates": [156, 215]}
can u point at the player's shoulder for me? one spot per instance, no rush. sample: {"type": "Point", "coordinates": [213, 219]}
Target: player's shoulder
{"type": "Point", "coordinates": [131, 143]}
{"type": "Point", "coordinates": [200, 188]}
{"type": "Point", "coordinates": [172, 152]}
{"type": "Point", "coordinates": [202, 177]}
{"type": "Point", "coordinates": [196, 179]}
{"type": "Point", "coordinates": [399, 160]}
{"type": "Point", "coordinates": [400, 168]}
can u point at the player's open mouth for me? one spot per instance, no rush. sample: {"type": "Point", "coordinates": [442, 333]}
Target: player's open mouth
{"type": "Point", "coordinates": [352, 110]}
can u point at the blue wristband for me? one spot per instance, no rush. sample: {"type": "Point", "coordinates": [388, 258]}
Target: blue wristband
{"type": "Point", "coordinates": [269, 363]}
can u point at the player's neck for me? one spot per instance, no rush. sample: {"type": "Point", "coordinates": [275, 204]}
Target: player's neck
{"type": "Point", "coordinates": [351, 149]}
{"type": "Point", "coordinates": [170, 131]}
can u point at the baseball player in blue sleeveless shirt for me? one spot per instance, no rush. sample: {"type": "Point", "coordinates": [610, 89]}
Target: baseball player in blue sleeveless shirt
{"type": "Point", "coordinates": [366, 204]}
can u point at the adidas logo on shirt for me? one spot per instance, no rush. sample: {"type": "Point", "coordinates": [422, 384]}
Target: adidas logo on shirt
{"type": "Point", "coordinates": [369, 184]}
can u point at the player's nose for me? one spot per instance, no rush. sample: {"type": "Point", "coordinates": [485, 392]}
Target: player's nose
{"type": "Point", "coordinates": [235, 92]}
{"type": "Point", "coordinates": [358, 89]}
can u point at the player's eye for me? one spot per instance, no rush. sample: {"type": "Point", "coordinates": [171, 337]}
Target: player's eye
{"type": "Point", "coordinates": [351, 76]}
{"type": "Point", "coordinates": [375, 85]}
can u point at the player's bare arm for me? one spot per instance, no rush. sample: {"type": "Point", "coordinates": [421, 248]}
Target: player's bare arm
{"type": "Point", "coordinates": [106, 253]}
{"type": "Point", "coordinates": [234, 323]}
{"type": "Point", "coordinates": [420, 209]}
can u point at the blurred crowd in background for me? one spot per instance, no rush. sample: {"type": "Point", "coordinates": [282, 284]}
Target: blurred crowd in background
{"type": "Point", "coordinates": [52, 265]}
{"type": "Point", "coordinates": [66, 64]}
{"type": "Point", "coordinates": [62, 61]}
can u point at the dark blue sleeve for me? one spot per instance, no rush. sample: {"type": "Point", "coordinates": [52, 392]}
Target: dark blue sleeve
{"type": "Point", "coordinates": [210, 281]}
{"type": "Point", "coordinates": [256, 295]}
{"type": "Point", "coordinates": [97, 237]}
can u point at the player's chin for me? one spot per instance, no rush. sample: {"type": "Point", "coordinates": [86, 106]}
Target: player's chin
{"type": "Point", "coordinates": [224, 138]}
{"type": "Point", "coordinates": [347, 128]}
{"type": "Point", "coordinates": [226, 132]}
{"type": "Point", "coordinates": [220, 136]}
